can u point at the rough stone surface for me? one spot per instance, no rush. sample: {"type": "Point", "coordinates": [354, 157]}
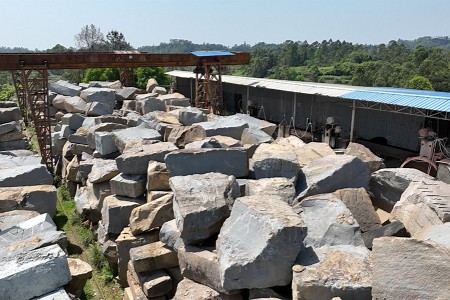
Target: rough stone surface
{"type": "Point", "coordinates": [74, 121]}
{"type": "Point", "coordinates": [255, 136]}
{"type": "Point", "coordinates": [152, 257]}
{"type": "Point", "coordinates": [11, 218]}
{"type": "Point", "coordinates": [228, 126]}
{"type": "Point", "coordinates": [202, 203]}
{"type": "Point", "coordinates": [409, 269]}
{"type": "Point", "coordinates": [75, 105]}
{"type": "Point", "coordinates": [256, 123]}
{"type": "Point", "coordinates": [272, 160]}
{"type": "Point", "coordinates": [116, 212]}
{"type": "Point", "coordinates": [31, 234]}
{"type": "Point", "coordinates": [264, 294]}
{"type": "Point", "coordinates": [395, 228]}
{"type": "Point", "coordinates": [95, 109]}
{"type": "Point", "coordinates": [104, 143]}
{"type": "Point", "coordinates": [151, 215]}
{"type": "Point", "coordinates": [9, 126]}
{"type": "Point", "coordinates": [277, 186]}
{"type": "Point", "coordinates": [136, 160]}
{"type": "Point", "coordinates": [11, 136]}
{"type": "Point", "coordinates": [330, 173]}
{"type": "Point", "coordinates": [157, 177]}
{"type": "Point", "coordinates": [151, 84]}
{"type": "Point", "coordinates": [310, 152]}
{"type": "Point", "coordinates": [183, 135]}
{"type": "Point", "coordinates": [329, 222]}
{"type": "Point", "coordinates": [128, 185]}
{"type": "Point", "coordinates": [65, 88]}
{"type": "Point", "coordinates": [124, 136]}
{"type": "Point", "coordinates": [46, 268]}
{"type": "Point", "coordinates": [437, 234]}
{"type": "Point", "coordinates": [191, 115]}
{"type": "Point", "coordinates": [170, 235]}
{"type": "Point", "coordinates": [104, 127]}
{"type": "Point", "coordinates": [337, 271]}
{"type": "Point", "coordinates": [10, 114]}
{"type": "Point", "coordinates": [126, 241]}
{"type": "Point", "coordinates": [127, 93]}
{"type": "Point", "coordinates": [359, 203]}
{"type": "Point", "coordinates": [191, 290]}
{"type": "Point", "coordinates": [103, 170]}
{"type": "Point", "coordinates": [80, 272]}
{"type": "Point", "coordinates": [424, 203]}
{"type": "Point", "coordinates": [387, 185]}
{"type": "Point", "coordinates": [135, 288]}
{"type": "Point", "coordinates": [201, 161]}
{"type": "Point", "coordinates": [104, 96]}
{"type": "Point", "coordinates": [245, 247]}
{"type": "Point", "coordinates": [59, 294]}
{"type": "Point", "coordinates": [150, 104]}
{"type": "Point", "coordinates": [159, 90]}
{"type": "Point", "coordinates": [154, 284]}
{"type": "Point", "coordinates": [363, 153]}
{"type": "Point", "coordinates": [25, 175]}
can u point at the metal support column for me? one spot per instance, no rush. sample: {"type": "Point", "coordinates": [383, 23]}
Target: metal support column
{"type": "Point", "coordinates": [352, 126]}
{"type": "Point", "coordinates": [20, 93]}
{"type": "Point", "coordinates": [126, 76]}
{"type": "Point", "coordinates": [208, 88]}
{"type": "Point", "coordinates": [35, 80]}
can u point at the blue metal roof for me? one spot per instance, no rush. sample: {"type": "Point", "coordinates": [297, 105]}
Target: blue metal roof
{"type": "Point", "coordinates": [414, 92]}
{"type": "Point", "coordinates": [410, 98]}
{"type": "Point", "coordinates": [211, 53]}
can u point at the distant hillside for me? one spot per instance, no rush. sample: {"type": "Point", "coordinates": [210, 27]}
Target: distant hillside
{"type": "Point", "coordinates": [427, 42]}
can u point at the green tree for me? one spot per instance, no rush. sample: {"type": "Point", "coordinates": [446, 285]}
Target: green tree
{"type": "Point", "coordinates": [96, 74]}
{"type": "Point", "coordinates": [419, 83]}
{"type": "Point", "coordinates": [6, 92]}
{"type": "Point", "coordinates": [117, 41]}
{"type": "Point", "coordinates": [91, 39]}
{"type": "Point", "coordinates": [142, 75]}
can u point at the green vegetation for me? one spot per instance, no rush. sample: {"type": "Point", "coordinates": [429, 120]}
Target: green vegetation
{"type": "Point", "coordinates": [6, 92]}
{"type": "Point", "coordinates": [82, 245]}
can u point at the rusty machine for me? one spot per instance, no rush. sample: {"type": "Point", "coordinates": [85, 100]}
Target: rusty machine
{"type": "Point", "coordinates": [30, 76]}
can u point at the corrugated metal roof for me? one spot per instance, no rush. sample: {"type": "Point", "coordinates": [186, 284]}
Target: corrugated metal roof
{"type": "Point", "coordinates": [437, 101]}
{"type": "Point", "coordinates": [211, 53]}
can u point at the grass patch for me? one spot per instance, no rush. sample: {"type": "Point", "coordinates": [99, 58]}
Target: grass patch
{"type": "Point", "coordinates": [82, 245]}
{"type": "Point", "coordinates": [33, 144]}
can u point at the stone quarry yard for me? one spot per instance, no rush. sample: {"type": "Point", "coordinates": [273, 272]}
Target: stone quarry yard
{"type": "Point", "coordinates": [160, 200]}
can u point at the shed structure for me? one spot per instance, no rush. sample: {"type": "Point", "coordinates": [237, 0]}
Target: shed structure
{"type": "Point", "coordinates": [363, 112]}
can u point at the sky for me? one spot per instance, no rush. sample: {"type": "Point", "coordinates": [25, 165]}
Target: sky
{"type": "Point", "coordinates": [41, 24]}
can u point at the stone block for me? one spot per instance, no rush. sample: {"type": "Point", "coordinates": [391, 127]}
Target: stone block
{"type": "Point", "coordinates": [330, 173]}
{"type": "Point", "coordinates": [127, 241]}
{"type": "Point", "coordinates": [136, 161]}
{"type": "Point", "coordinates": [124, 136]}
{"type": "Point", "coordinates": [409, 269]}
{"type": "Point", "coordinates": [11, 136]}
{"type": "Point", "coordinates": [191, 115]}
{"type": "Point", "coordinates": [191, 290]}
{"type": "Point", "coordinates": [80, 272]}
{"type": "Point", "coordinates": [10, 114]}
{"type": "Point", "coordinates": [183, 135]}
{"type": "Point", "coordinates": [75, 105]}
{"type": "Point", "coordinates": [150, 104]}
{"type": "Point", "coordinates": [259, 243]}
{"type": "Point", "coordinates": [256, 123]}
{"type": "Point", "coordinates": [127, 93]}
{"type": "Point", "coordinates": [11, 218]}
{"type": "Point", "coordinates": [387, 185]}
{"type": "Point", "coordinates": [363, 153]}
{"type": "Point", "coordinates": [46, 268]}
{"type": "Point", "coordinates": [59, 294]}
{"type": "Point", "coordinates": [95, 109]}
{"type": "Point", "coordinates": [272, 160]}
{"type": "Point", "coordinates": [202, 203]}
{"type": "Point", "coordinates": [395, 228]}
{"type": "Point", "coordinates": [336, 225]}
{"type": "Point", "coordinates": [328, 272]}
{"type": "Point", "coordinates": [116, 212]}
{"type": "Point", "coordinates": [170, 235]}
{"type": "Point", "coordinates": [157, 177]}
{"type": "Point", "coordinates": [255, 136]}
{"type": "Point", "coordinates": [151, 215]}
{"type": "Point", "coordinates": [25, 175]}
{"type": "Point", "coordinates": [228, 126]}
{"type": "Point", "coordinates": [65, 88]}
{"type": "Point", "coordinates": [128, 185]}
{"type": "Point", "coordinates": [152, 257]}
{"type": "Point", "coordinates": [9, 126]}
{"type": "Point", "coordinates": [277, 186]}
{"type": "Point", "coordinates": [103, 170]}
{"type": "Point", "coordinates": [424, 203]}
{"type": "Point", "coordinates": [74, 121]}
{"type": "Point", "coordinates": [226, 161]}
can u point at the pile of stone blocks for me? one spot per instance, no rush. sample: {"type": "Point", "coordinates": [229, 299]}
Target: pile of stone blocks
{"type": "Point", "coordinates": [189, 205]}
{"type": "Point", "coordinates": [11, 136]}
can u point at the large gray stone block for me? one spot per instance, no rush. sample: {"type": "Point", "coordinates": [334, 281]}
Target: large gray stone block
{"type": "Point", "coordinates": [256, 123]}
{"type": "Point", "coordinates": [363, 153]}
{"type": "Point", "coordinates": [46, 268]}
{"type": "Point", "coordinates": [329, 222]}
{"type": "Point", "coordinates": [136, 160]}
{"type": "Point", "coordinates": [330, 173]}
{"type": "Point", "coordinates": [103, 170]}
{"type": "Point", "coordinates": [424, 203]}
{"type": "Point", "coordinates": [157, 177]}
{"type": "Point", "coordinates": [127, 93]}
{"type": "Point", "coordinates": [151, 104]}
{"type": "Point", "coordinates": [191, 115]}
{"type": "Point", "coordinates": [202, 203]}
{"type": "Point", "coordinates": [410, 269]}
{"type": "Point", "coordinates": [153, 256]}
{"type": "Point", "coordinates": [191, 290]}
{"type": "Point", "coordinates": [396, 228]}
{"type": "Point", "coordinates": [116, 212]}
{"type": "Point", "coordinates": [182, 135]}
{"type": "Point", "coordinates": [104, 96]}
{"type": "Point", "coordinates": [104, 143]}
{"type": "Point", "coordinates": [74, 121]}
{"type": "Point", "coordinates": [226, 161]}
{"type": "Point", "coordinates": [258, 243]}
{"type": "Point", "coordinates": [10, 114]}
{"type": "Point", "coordinates": [102, 127]}
{"type": "Point", "coordinates": [228, 126]}
{"type": "Point", "coordinates": [14, 217]}
{"type": "Point", "coordinates": [95, 109]}
{"type": "Point", "coordinates": [387, 185]}
{"type": "Point", "coordinates": [255, 136]}
{"type": "Point", "coordinates": [25, 175]}
{"type": "Point", "coordinates": [277, 186]}
{"type": "Point", "coordinates": [124, 136]}
{"type": "Point", "coordinates": [65, 88]}
{"type": "Point", "coordinates": [337, 271]}
{"type": "Point", "coordinates": [272, 160]}
{"type": "Point", "coordinates": [9, 126]}
{"type": "Point", "coordinates": [37, 232]}
{"type": "Point", "coordinates": [59, 294]}
{"type": "Point", "coordinates": [75, 105]}
{"type": "Point", "coordinates": [170, 235]}
{"type": "Point", "coordinates": [128, 185]}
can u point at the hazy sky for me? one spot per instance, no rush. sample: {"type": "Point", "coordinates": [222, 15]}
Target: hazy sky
{"type": "Point", "coordinates": [44, 23]}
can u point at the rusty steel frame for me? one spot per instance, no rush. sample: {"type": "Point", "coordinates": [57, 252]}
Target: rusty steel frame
{"type": "Point", "coordinates": [208, 87]}
{"type": "Point", "coordinates": [84, 60]}
{"type": "Point", "coordinates": [21, 94]}
{"type": "Point", "coordinates": [35, 82]}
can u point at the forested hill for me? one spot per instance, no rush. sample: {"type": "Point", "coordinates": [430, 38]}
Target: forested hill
{"type": "Point", "coordinates": [423, 63]}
